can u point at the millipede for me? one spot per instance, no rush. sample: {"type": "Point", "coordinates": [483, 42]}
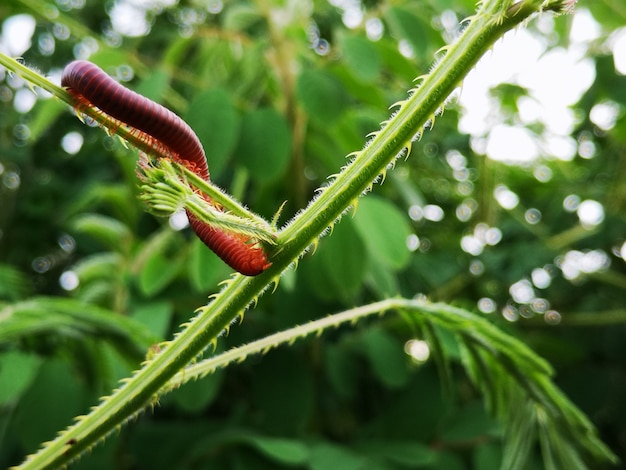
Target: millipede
{"type": "Point", "coordinates": [168, 136]}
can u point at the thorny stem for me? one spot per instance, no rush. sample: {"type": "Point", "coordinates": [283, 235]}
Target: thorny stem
{"type": "Point", "coordinates": [168, 187]}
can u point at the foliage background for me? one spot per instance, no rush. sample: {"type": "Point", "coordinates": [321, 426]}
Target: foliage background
{"type": "Point", "coordinates": [279, 94]}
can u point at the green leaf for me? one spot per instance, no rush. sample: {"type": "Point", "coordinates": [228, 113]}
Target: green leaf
{"type": "Point", "coordinates": [382, 280]}
{"type": "Point", "coordinates": [371, 98]}
{"type": "Point", "coordinates": [214, 118]}
{"type": "Point", "coordinates": [156, 316]}
{"type": "Point", "coordinates": [264, 145]}
{"type": "Point", "coordinates": [72, 320]}
{"type": "Point", "coordinates": [195, 396]}
{"type": "Point", "coordinates": [394, 62]}
{"type": "Point", "coordinates": [337, 268]}
{"type": "Point", "coordinates": [43, 116]}
{"type": "Point", "coordinates": [387, 357]}
{"type": "Point", "coordinates": [55, 383]}
{"type": "Point", "coordinates": [177, 51]}
{"type": "Point", "coordinates": [469, 423]}
{"type": "Point", "coordinates": [341, 367]}
{"type": "Point", "coordinates": [108, 58]}
{"type": "Point", "coordinates": [488, 457]}
{"type": "Point", "coordinates": [283, 392]}
{"type": "Point", "coordinates": [113, 197]}
{"type": "Point", "coordinates": [14, 284]}
{"type": "Point", "coordinates": [384, 229]}
{"type": "Point", "coordinates": [361, 57]}
{"type": "Point", "coordinates": [110, 232]}
{"type": "Point", "coordinates": [17, 371]}
{"type": "Point", "coordinates": [405, 25]}
{"type": "Point", "coordinates": [241, 16]}
{"type": "Point", "coordinates": [286, 451]}
{"type": "Point", "coordinates": [321, 94]}
{"type": "Point", "coordinates": [206, 269]}
{"type": "Point", "coordinates": [158, 271]}
{"type": "Point", "coordinates": [407, 454]}
{"type": "Point", "coordinates": [325, 456]}
{"type": "Point", "coordinates": [447, 460]}
{"type": "Point", "coordinates": [92, 268]}
{"type": "Point", "coordinates": [520, 437]}
{"type": "Point", "coordinates": [154, 85]}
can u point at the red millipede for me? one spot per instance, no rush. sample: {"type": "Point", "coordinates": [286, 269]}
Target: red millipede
{"type": "Point", "coordinates": [169, 137]}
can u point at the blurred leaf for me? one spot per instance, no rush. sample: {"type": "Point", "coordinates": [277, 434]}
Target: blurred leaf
{"type": "Point", "coordinates": [14, 284]}
{"type": "Point", "coordinates": [110, 232]}
{"type": "Point", "coordinates": [109, 58]}
{"type": "Point", "coordinates": [106, 265]}
{"type": "Point", "coordinates": [341, 367]}
{"type": "Point", "coordinates": [509, 95]}
{"type": "Point", "coordinates": [366, 93]}
{"type": "Point", "coordinates": [405, 25]}
{"type": "Point", "coordinates": [159, 261]}
{"type": "Point", "coordinates": [264, 145]}
{"type": "Point", "coordinates": [286, 451]}
{"type": "Point", "coordinates": [158, 271]}
{"type": "Point", "coordinates": [197, 395]}
{"type": "Point", "coordinates": [488, 457]}
{"type": "Point", "coordinates": [46, 112]}
{"type": "Point", "coordinates": [206, 269]}
{"type": "Point", "coordinates": [55, 383]}
{"type": "Point", "coordinates": [605, 13]}
{"type": "Point", "coordinates": [520, 438]}
{"type": "Point", "coordinates": [17, 371]}
{"type": "Point", "coordinates": [385, 230]}
{"type": "Point", "coordinates": [440, 355]}
{"type": "Point", "coordinates": [176, 51]}
{"type": "Point", "coordinates": [212, 115]}
{"type": "Point", "coordinates": [113, 197]}
{"type": "Point", "coordinates": [240, 17]}
{"type": "Point", "coordinates": [351, 129]}
{"type": "Point", "coordinates": [49, 317]}
{"type": "Point", "coordinates": [387, 357]}
{"type": "Point", "coordinates": [447, 460]}
{"type": "Point", "coordinates": [325, 456]}
{"type": "Point", "coordinates": [435, 269]}
{"type": "Point", "coordinates": [156, 316]}
{"type": "Point", "coordinates": [338, 266]}
{"type": "Point", "coordinates": [362, 57]}
{"type": "Point", "coordinates": [469, 423]}
{"type": "Point", "coordinates": [180, 441]}
{"type": "Point", "coordinates": [98, 292]}
{"type": "Point", "coordinates": [154, 85]}
{"type": "Point", "coordinates": [282, 393]}
{"type": "Point", "coordinates": [381, 280]}
{"type": "Point", "coordinates": [393, 61]}
{"type": "Point", "coordinates": [407, 454]}
{"type": "Point", "coordinates": [321, 94]}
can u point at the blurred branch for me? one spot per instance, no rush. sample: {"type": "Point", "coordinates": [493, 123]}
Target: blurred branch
{"type": "Point", "coordinates": [585, 319]}
{"type": "Point", "coordinates": [508, 368]}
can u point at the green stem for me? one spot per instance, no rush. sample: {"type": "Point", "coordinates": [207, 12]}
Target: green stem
{"type": "Point", "coordinates": [165, 193]}
{"type": "Point", "coordinates": [506, 366]}
{"type": "Point", "coordinates": [113, 125]}
{"type": "Point", "coordinates": [35, 79]}
{"type": "Point", "coordinates": [216, 195]}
